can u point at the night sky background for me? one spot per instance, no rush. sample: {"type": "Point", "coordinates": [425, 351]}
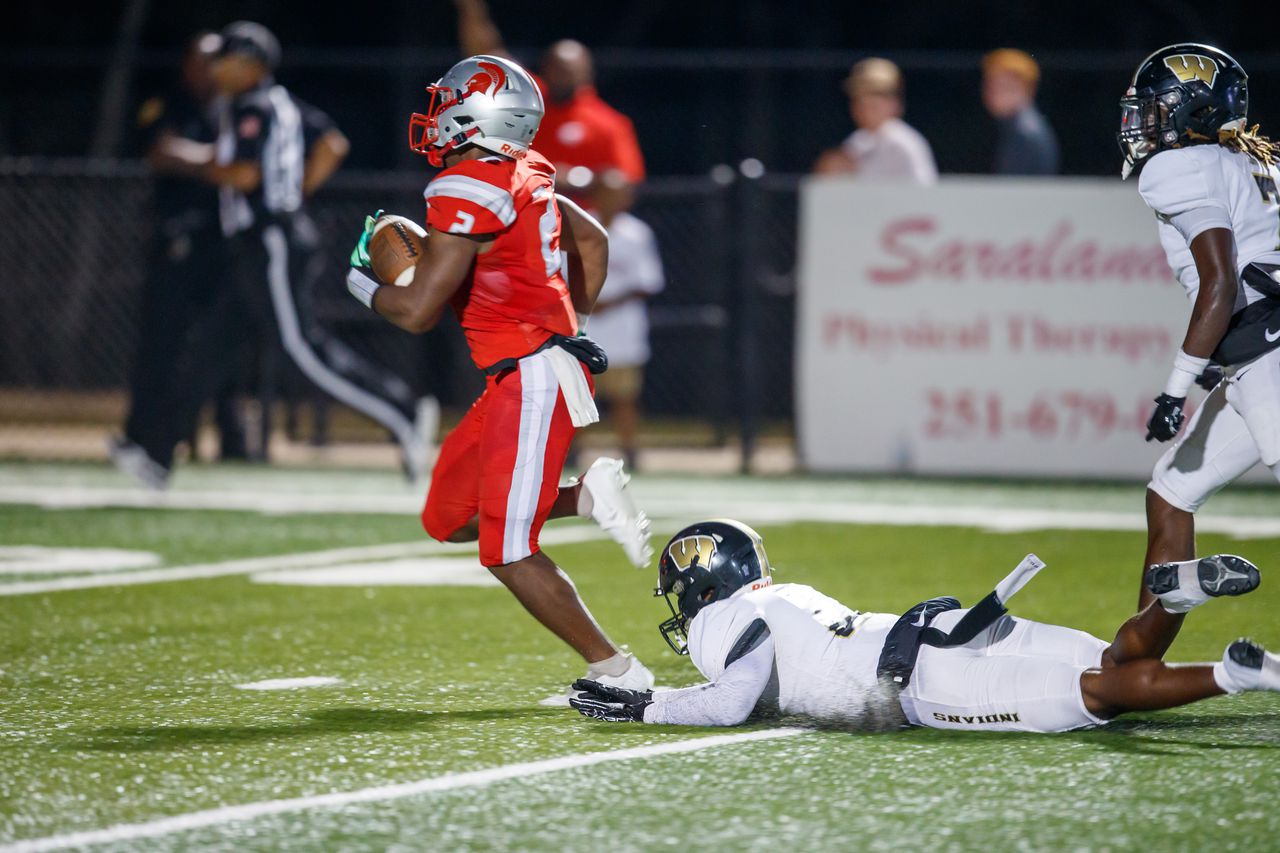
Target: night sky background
{"type": "Point", "coordinates": [705, 82]}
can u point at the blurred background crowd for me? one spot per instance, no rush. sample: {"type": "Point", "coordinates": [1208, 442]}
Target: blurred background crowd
{"type": "Point", "coordinates": [686, 128]}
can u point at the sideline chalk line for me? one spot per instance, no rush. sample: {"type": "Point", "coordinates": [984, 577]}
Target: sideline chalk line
{"type": "Point", "coordinates": [449, 782]}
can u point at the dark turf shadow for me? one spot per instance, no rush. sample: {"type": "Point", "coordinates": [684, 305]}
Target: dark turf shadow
{"type": "Point", "coordinates": [317, 723]}
{"type": "Point", "coordinates": [1161, 735]}
{"type": "Point", "coordinates": [1225, 732]}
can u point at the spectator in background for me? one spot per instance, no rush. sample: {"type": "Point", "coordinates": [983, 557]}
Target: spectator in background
{"type": "Point", "coordinates": [186, 272]}
{"type": "Point", "coordinates": [1025, 144]}
{"type": "Point", "coordinates": [883, 146]}
{"type": "Point", "coordinates": [620, 321]}
{"type": "Point", "coordinates": [579, 130]}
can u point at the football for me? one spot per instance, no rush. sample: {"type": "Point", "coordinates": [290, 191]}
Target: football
{"type": "Point", "coordinates": [394, 249]}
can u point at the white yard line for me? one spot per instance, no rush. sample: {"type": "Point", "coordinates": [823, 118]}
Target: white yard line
{"type": "Point", "coordinates": [290, 683]}
{"type": "Point", "coordinates": [306, 560]}
{"type": "Point", "coordinates": [677, 509]}
{"type": "Point", "coordinates": [451, 782]}
{"type": "Point", "coordinates": [265, 500]}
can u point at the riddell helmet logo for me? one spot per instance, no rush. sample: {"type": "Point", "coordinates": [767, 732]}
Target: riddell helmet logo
{"type": "Point", "coordinates": [489, 79]}
{"type": "Point", "coordinates": [1192, 66]}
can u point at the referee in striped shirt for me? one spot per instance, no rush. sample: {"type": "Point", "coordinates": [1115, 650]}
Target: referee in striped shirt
{"type": "Point", "coordinates": [264, 173]}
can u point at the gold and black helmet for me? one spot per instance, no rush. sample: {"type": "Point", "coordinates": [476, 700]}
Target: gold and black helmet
{"type": "Point", "coordinates": [705, 563]}
{"type": "Point", "coordinates": [1182, 94]}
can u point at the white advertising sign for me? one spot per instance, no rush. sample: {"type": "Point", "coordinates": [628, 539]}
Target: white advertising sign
{"type": "Point", "coordinates": [982, 327]}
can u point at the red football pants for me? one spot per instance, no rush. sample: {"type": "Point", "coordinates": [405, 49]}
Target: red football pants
{"type": "Point", "coordinates": [503, 463]}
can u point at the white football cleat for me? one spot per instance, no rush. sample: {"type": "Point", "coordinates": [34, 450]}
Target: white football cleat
{"type": "Point", "coordinates": [1188, 584]}
{"type": "Point", "coordinates": [131, 459]}
{"type": "Point", "coordinates": [637, 677]}
{"type": "Point", "coordinates": [611, 507]}
{"type": "Point", "coordinates": [416, 455]}
{"type": "Point", "coordinates": [1248, 666]}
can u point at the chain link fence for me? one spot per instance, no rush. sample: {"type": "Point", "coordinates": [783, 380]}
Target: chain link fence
{"type": "Point", "coordinates": [76, 251]}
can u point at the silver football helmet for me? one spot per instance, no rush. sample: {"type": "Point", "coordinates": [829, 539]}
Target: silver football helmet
{"type": "Point", "coordinates": [487, 101]}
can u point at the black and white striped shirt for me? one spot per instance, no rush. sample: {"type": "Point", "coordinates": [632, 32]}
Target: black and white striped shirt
{"type": "Point", "coordinates": [272, 128]}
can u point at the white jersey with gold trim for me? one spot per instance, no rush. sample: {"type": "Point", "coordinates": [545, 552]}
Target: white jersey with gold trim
{"type": "Point", "coordinates": [824, 654]}
{"type": "Point", "coordinates": [1208, 186]}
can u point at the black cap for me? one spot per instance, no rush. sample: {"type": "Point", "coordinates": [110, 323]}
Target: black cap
{"type": "Point", "coordinates": [246, 38]}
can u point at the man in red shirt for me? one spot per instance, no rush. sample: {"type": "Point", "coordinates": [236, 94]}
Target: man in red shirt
{"type": "Point", "coordinates": [579, 129]}
{"type": "Point", "coordinates": [496, 228]}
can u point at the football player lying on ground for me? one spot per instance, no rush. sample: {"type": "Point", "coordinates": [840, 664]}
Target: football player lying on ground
{"type": "Point", "coordinates": [789, 650]}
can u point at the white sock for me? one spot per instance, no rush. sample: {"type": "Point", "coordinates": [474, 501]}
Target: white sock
{"type": "Point", "coordinates": [1188, 595]}
{"type": "Point", "coordinates": [612, 667]}
{"type": "Point", "coordinates": [1223, 676]}
{"type": "Point", "coordinates": [586, 503]}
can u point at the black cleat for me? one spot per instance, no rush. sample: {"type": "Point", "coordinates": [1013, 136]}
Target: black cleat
{"type": "Point", "coordinates": [1247, 653]}
{"type": "Point", "coordinates": [1248, 666]}
{"type": "Point", "coordinates": [1221, 574]}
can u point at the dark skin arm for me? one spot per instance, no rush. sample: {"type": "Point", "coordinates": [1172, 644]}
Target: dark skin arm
{"type": "Point", "coordinates": [446, 261]}
{"type": "Point", "coordinates": [172, 154]}
{"type": "Point", "coordinates": [245, 176]}
{"type": "Point", "coordinates": [1214, 252]}
{"type": "Point", "coordinates": [587, 244]}
{"type": "Point", "coordinates": [326, 156]}
{"type": "Point", "coordinates": [242, 175]}
{"type": "Point", "coordinates": [477, 33]}
{"type": "Point", "coordinates": [603, 305]}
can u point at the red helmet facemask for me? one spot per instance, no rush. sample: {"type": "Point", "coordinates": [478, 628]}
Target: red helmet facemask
{"type": "Point", "coordinates": [424, 128]}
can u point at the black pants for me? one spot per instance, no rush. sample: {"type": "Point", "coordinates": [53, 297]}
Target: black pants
{"type": "Point", "coordinates": [187, 285]}
{"type": "Point", "coordinates": [275, 270]}
{"type": "Point", "coordinates": [258, 296]}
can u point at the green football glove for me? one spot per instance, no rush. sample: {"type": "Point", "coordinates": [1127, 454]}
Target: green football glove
{"type": "Point", "coordinates": [360, 254]}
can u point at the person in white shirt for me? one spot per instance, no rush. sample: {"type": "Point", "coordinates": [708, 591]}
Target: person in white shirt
{"type": "Point", "coordinates": [620, 321]}
{"type": "Point", "coordinates": [884, 147]}
{"type": "Point", "coordinates": [788, 650]}
{"type": "Point", "coordinates": [1213, 187]}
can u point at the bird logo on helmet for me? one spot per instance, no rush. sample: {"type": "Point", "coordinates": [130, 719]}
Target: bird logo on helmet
{"type": "Point", "coordinates": [1183, 94]}
{"type": "Point", "coordinates": [486, 101]}
{"type": "Point", "coordinates": [705, 563]}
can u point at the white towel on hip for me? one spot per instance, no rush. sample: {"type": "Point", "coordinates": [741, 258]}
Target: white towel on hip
{"type": "Point", "coordinates": [573, 384]}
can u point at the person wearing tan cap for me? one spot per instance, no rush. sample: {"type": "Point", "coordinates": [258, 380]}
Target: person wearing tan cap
{"type": "Point", "coordinates": [883, 146]}
{"type": "Point", "coordinates": [1025, 143]}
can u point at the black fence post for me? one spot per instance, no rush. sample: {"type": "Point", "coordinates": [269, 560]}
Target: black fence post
{"type": "Point", "coordinates": [748, 227]}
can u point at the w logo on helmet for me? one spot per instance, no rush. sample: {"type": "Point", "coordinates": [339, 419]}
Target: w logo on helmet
{"type": "Point", "coordinates": [489, 80]}
{"type": "Point", "coordinates": [1192, 66]}
{"type": "Point", "coordinates": [692, 550]}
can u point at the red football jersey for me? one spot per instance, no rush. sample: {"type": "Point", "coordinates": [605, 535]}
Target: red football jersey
{"type": "Point", "coordinates": [516, 297]}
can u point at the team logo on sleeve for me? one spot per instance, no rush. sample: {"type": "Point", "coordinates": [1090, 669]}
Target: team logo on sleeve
{"type": "Point", "coordinates": [1192, 66]}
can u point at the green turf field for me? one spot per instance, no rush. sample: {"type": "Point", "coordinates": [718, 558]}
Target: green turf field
{"type": "Point", "coordinates": [120, 704]}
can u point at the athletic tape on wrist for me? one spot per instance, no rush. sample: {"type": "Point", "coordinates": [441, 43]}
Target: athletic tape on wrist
{"type": "Point", "coordinates": [362, 286]}
{"type": "Point", "coordinates": [1186, 368]}
{"type": "Point", "coordinates": [583, 319]}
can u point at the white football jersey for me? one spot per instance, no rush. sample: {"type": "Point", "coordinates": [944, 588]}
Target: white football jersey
{"type": "Point", "coordinates": [817, 672]}
{"type": "Point", "coordinates": [1208, 186]}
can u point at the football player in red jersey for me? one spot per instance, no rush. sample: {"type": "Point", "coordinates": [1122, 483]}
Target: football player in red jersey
{"type": "Point", "coordinates": [496, 230]}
